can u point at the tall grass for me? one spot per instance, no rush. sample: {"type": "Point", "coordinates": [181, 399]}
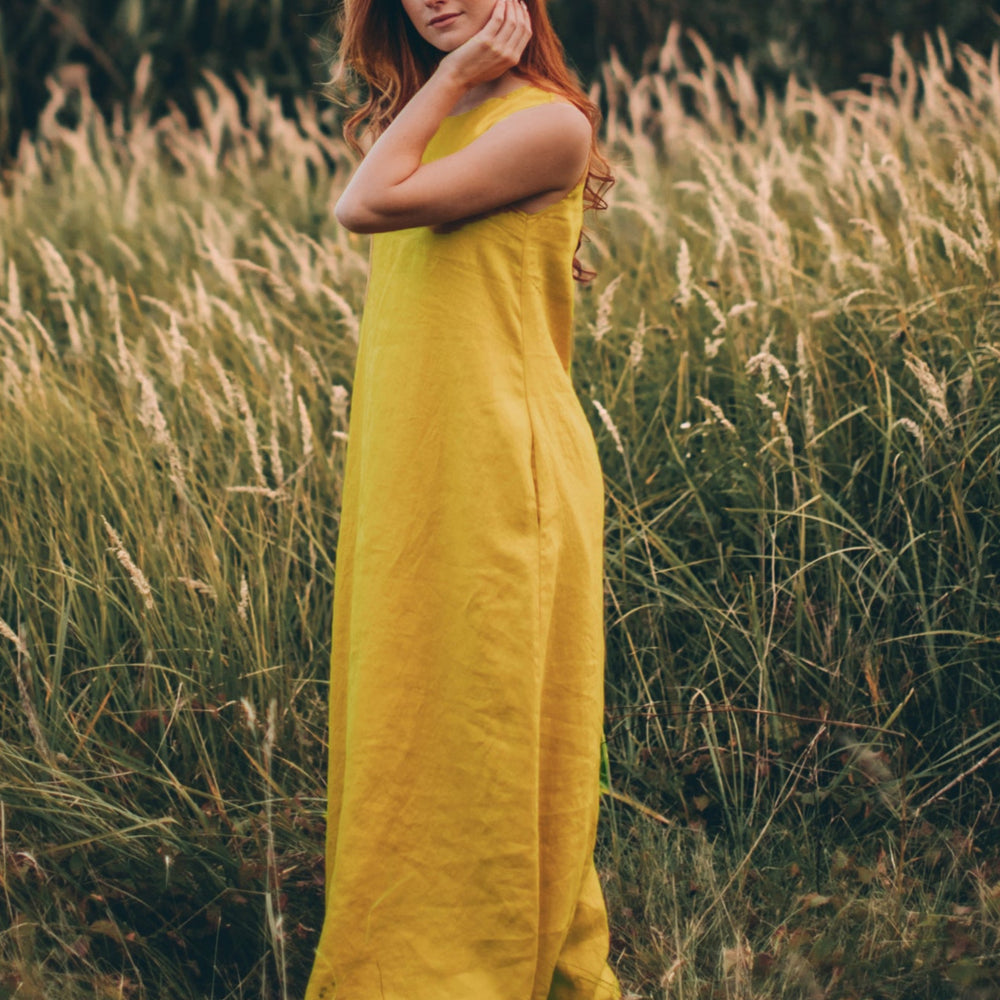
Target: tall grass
{"type": "Point", "coordinates": [790, 360]}
{"type": "Point", "coordinates": [801, 368]}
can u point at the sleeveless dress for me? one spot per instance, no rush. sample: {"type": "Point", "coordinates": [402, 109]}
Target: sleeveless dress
{"type": "Point", "coordinates": [466, 691]}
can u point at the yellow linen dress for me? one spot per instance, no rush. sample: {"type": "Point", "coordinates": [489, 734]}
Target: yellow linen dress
{"type": "Point", "coordinates": [466, 693]}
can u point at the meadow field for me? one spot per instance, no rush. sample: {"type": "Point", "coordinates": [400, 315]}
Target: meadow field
{"type": "Point", "coordinates": [791, 361]}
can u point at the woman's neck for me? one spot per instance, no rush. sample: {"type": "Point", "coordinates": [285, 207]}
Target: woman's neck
{"type": "Point", "coordinates": [499, 87]}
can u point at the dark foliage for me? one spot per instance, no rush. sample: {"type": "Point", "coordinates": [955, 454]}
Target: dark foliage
{"type": "Point", "coordinates": [832, 44]}
{"type": "Point", "coordinates": [277, 40]}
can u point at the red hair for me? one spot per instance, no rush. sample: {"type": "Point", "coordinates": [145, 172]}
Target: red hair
{"type": "Point", "coordinates": [381, 46]}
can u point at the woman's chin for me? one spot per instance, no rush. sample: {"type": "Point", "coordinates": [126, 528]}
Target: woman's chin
{"type": "Point", "coordinates": [449, 44]}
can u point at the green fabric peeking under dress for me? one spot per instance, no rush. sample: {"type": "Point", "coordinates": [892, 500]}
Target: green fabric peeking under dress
{"type": "Point", "coordinates": [466, 693]}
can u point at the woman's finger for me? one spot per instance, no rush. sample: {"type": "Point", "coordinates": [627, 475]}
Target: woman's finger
{"type": "Point", "coordinates": [494, 25]}
{"type": "Point", "coordinates": [515, 23]}
{"type": "Point", "coordinates": [516, 15]}
{"type": "Point", "coordinates": [503, 17]}
{"type": "Point", "coordinates": [524, 16]}
{"type": "Point", "coordinates": [522, 26]}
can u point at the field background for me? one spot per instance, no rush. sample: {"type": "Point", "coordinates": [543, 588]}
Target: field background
{"type": "Point", "coordinates": [790, 358]}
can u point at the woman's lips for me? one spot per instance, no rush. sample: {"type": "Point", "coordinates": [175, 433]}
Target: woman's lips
{"type": "Point", "coordinates": [443, 20]}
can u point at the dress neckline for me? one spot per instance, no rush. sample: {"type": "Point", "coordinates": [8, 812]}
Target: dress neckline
{"type": "Point", "coordinates": [492, 100]}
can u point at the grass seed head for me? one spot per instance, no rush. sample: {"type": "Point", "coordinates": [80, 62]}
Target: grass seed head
{"type": "Point", "coordinates": [135, 575]}
{"type": "Point", "coordinates": [610, 426]}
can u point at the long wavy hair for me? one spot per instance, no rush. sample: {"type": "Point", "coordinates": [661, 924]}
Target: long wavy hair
{"type": "Point", "coordinates": [380, 46]}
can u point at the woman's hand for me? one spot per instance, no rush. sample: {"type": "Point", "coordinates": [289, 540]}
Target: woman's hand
{"type": "Point", "coordinates": [494, 49]}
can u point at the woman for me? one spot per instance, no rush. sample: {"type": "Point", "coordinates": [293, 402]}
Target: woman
{"type": "Point", "coordinates": [466, 688]}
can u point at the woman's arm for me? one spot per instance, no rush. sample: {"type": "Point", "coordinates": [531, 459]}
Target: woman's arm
{"type": "Point", "coordinates": [543, 149]}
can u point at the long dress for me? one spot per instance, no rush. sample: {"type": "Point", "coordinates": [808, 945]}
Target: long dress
{"type": "Point", "coordinates": [466, 692]}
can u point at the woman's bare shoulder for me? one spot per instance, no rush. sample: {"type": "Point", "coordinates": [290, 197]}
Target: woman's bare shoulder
{"type": "Point", "coordinates": [557, 121]}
